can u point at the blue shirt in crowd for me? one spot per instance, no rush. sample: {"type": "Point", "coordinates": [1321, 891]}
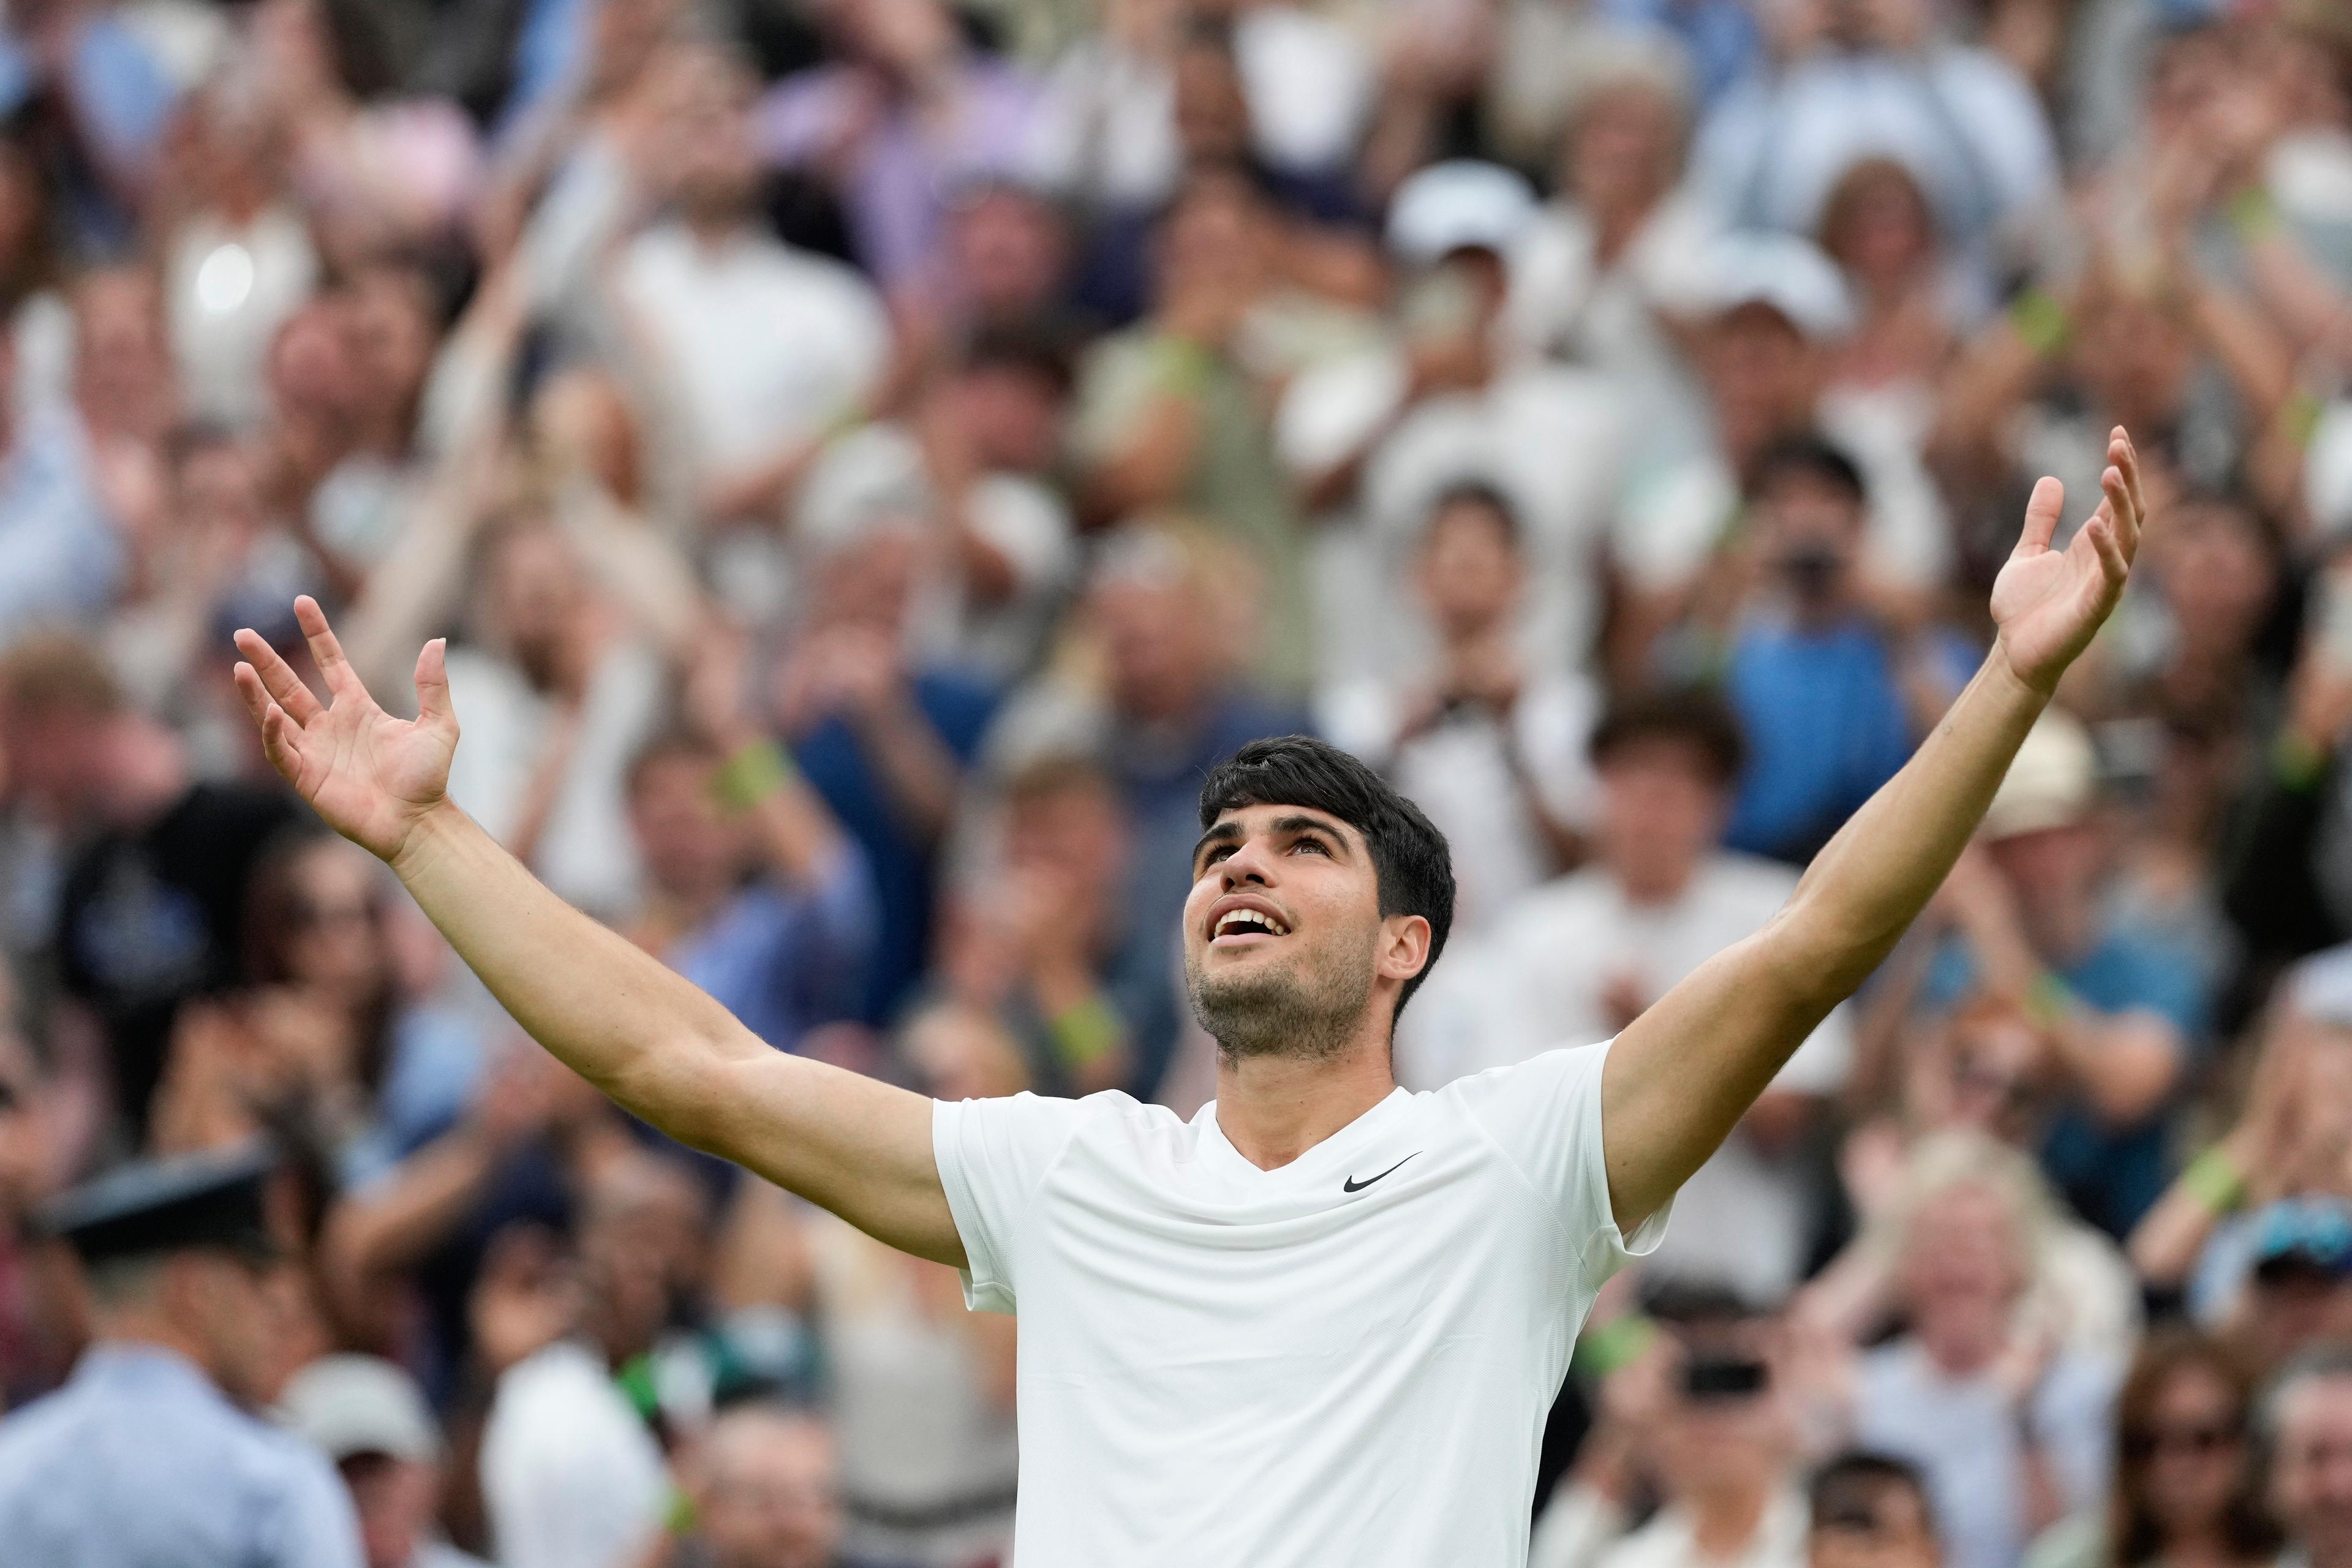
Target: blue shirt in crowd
{"type": "Point", "coordinates": [1825, 726]}
{"type": "Point", "coordinates": [2109, 1176]}
{"type": "Point", "coordinates": [140, 1462]}
{"type": "Point", "coordinates": [899, 858]}
{"type": "Point", "coordinates": [786, 960]}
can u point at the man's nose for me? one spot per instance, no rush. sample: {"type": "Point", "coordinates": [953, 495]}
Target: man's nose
{"type": "Point", "coordinates": [1248, 863]}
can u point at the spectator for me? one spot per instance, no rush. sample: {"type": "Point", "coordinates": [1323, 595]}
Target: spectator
{"type": "Point", "coordinates": [884, 740]}
{"type": "Point", "coordinates": [1043, 940]}
{"type": "Point", "coordinates": [970, 474]}
{"type": "Point", "coordinates": [1816, 676]}
{"type": "Point", "coordinates": [66, 552]}
{"type": "Point", "coordinates": [909, 115]}
{"type": "Point", "coordinates": [2009, 1425]}
{"type": "Point", "coordinates": [1172, 702]}
{"type": "Point", "coordinates": [1390, 430]}
{"type": "Point", "coordinates": [153, 903]}
{"type": "Point", "coordinates": [1878, 80]}
{"type": "Point", "coordinates": [1701, 1415]}
{"type": "Point", "coordinates": [2125, 1013]}
{"type": "Point", "coordinates": [370, 1418]}
{"type": "Point", "coordinates": [1621, 250]}
{"type": "Point", "coordinates": [770, 1495]}
{"type": "Point", "coordinates": [765, 350]}
{"type": "Point", "coordinates": [2307, 1419]}
{"type": "Point", "coordinates": [563, 694]}
{"type": "Point", "coordinates": [1868, 1511]}
{"type": "Point", "coordinates": [1578, 958]}
{"type": "Point", "coordinates": [1169, 411]}
{"type": "Point", "coordinates": [571, 1475]}
{"type": "Point", "coordinates": [1491, 751]}
{"type": "Point", "coordinates": [752, 889]}
{"type": "Point", "coordinates": [2186, 1486]}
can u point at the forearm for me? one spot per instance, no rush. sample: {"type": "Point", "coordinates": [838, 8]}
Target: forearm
{"type": "Point", "coordinates": [615, 1014]}
{"type": "Point", "coordinates": [1871, 880]}
{"type": "Point", "coordinates": [918, 769]}
{"type": "Point", "coordinates": [665, 1051]}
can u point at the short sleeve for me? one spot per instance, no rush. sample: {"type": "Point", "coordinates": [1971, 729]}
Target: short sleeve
{"type": "Point", "coordinates": [993, 1155]}
{"type": "Point", "coordinates": [1544, 1113]}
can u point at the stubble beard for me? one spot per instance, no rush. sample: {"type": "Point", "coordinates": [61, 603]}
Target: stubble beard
{"type": "Point", "coordinates": [1299, 1010]}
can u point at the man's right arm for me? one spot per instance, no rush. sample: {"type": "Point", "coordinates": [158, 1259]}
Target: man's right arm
{"type": "Point", "coordinates": [659, 1047]}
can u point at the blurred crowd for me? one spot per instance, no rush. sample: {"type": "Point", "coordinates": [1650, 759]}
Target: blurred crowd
{"type": "Point", "coordinates": [871, 457]}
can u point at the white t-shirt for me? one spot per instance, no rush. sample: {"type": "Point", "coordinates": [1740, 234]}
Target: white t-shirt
{"type": "Point", "coordinates": [1345, 1360]}
{"type": "Point", "coordinates": [1550, 437]}
{"type": "Point", "coordinates": [760, 343]}
{"type": "Point", "coordinates": [1543, 969]}
{"type": "Point", "coordinates": [570, 1477]}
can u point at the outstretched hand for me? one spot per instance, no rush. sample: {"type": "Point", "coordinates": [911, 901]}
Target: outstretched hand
{"type": "Point", "coordinates": [372, 776]}
{"type": "Point", "coordinates": [2048, 603]}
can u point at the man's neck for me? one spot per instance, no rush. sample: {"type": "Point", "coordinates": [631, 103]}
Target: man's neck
{"type": "Point", "coordinates": [1272, 1110]}
{"type": "Point", "coordinates": [1724, 1521]}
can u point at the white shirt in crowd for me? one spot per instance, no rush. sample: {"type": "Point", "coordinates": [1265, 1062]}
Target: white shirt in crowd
{"type": "Point", "coordinates": [570, 1476]}
{"type": "Point", "coordinates": [1463, 773]}
{"type": "Point", "coordinates": [1551, 439]}
{"type": "Point", "coordinates": [1581, 1529]}
{"type": "Point", "coordinates": [759, 344]}
{"type": "Point", "coordinates": [1547, 968]}
{"type": "Point", "coordinates": [585, 852]}
{"type": "Point", "coordinates": [1347, 1359]}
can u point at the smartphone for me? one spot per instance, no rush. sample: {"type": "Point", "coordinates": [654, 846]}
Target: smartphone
{"type": "Point", "coordinates": [1709, 1378]}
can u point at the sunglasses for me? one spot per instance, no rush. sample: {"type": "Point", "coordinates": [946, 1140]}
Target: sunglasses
{"type": "Point", "coordinates": [2210, 1438]}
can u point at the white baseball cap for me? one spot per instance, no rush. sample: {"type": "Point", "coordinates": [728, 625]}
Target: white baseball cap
{"type": "Point", "coordinates": [1458, 204]}
{"type": "Point", "coordinates": [2053, 782]}
{"type": "Point", "coordinates": [1788, 274]}
{"type": "Point", "coordinates": [352, 1405]}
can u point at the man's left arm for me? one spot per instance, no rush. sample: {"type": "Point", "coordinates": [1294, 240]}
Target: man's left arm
{"type": "Point", "coordinates": [1681, 1075]}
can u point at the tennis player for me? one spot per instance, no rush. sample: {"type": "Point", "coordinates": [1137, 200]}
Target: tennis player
{"type": "Point", "coordinates": [1319, 1323]}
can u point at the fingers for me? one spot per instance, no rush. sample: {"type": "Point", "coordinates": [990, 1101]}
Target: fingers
{"type": "Point", "coordinates": [2111, 563]}
{"type": "Point", "coordinates": [278, 744]}
{"type": "Point", "coordinates": [2120, 511]}
{"type": "Point", "coordinates": [2042, 514]}
{"type": "Point", "coordinates": [2126, 458]}
{"type": "Point", "coordinates": [432, 682]}
{"type": "Point", "coordinates": [340, 679]}
{"type": "Point", "coordinates": [277, 676]}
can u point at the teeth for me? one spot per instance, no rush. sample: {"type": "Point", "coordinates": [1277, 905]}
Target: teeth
{"type": "Point", "coordinates": [1233, 919]}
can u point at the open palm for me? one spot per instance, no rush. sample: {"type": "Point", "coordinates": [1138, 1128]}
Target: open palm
{"type": "Point", "coordinates": [372, 776]}
{"type": "Point", "coordinates": [2048, 603]}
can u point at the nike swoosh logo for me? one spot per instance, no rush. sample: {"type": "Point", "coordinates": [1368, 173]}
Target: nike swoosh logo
{"type": "Point", "coordinates": [1353, 1185]}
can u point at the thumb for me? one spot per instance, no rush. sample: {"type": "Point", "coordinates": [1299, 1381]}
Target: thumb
{"type": "Point", "coordinates": [2042, 514]}
{"type": "Point", "coordinates": [433, 685]}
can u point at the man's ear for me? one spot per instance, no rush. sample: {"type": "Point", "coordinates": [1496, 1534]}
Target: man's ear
{"type": "Point", "coordinates": [1403, 950]}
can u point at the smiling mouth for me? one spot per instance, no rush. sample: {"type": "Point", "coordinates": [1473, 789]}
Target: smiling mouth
{"type": "Point", "coordinates": [1236, 926]}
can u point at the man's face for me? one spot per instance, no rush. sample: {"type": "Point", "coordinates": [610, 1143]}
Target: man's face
{"type": "Point", "coordinates": [687, 843]}
{"type": "Point", "coordinates": [53, 755]}
{"type": "Point", "coordinates": [224, 1300]}
{"type": "Point", "coordinates": [1661, 811]}
{"type": "Point", "coordinates": [1812, 530]}
{"type": "Point", "coordinates": [774, 1499]}
{"type": "Point", "coordinates": [2311, 1472]}
{"type": "Point", "coordinates": [1160, 642]}
{"type": "Point", "coordinates": [1762, 372]}
{"type": "Point", "coordinates": [396, 1499]}
{"type": "Point", "coordinates": [1283, 935]}
{"type": "Point", "coordinates": [1882, 1525]}
{"type": "Point", "coordinates": [703, 107]}
{"type": "Point", "coordinates": [1470, 567]}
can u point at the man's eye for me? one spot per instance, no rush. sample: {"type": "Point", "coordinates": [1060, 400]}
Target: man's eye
{"type": "Point", "coordinates": [1315, 844]}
